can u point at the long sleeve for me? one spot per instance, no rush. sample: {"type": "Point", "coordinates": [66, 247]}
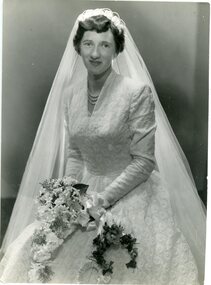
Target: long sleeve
{"type": "Point", "coordinates": [142, 129]}
{"type": "Point", "coordinates": [74, 162]}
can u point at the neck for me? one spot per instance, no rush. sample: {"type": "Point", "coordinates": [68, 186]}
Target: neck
{"type": "Point", "coordinates": [96, 82]}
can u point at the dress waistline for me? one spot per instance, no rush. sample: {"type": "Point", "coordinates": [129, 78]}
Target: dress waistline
{"type": "Point", "coordinates": [96, 172]}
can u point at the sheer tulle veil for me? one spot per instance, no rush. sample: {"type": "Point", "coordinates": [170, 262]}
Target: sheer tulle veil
{"type": "Point", "coordinates": [47, 157]}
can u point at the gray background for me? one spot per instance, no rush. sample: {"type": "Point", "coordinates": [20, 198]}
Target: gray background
{"type": "Point", "coordinates": [172, 38]}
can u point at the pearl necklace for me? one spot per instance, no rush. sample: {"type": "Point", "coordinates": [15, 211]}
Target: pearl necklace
{"type": "Point", "coordinates": [92, 99]}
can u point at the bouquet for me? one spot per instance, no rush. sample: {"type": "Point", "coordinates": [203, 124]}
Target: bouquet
{"type": "Point", "coordinates": [63, 205]}
{"type": "Point", "coordinates": [61, 209]}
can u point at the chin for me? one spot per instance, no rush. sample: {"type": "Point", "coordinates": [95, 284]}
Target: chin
{"type": "Point", "coordinates": [95, 72]}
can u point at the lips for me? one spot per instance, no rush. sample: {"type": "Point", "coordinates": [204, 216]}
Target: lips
{"type": "Point", "coordinates": [95, 63]}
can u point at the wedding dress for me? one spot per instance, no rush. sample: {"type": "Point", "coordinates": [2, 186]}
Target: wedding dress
{"type": "Point", "coordinates": [122, 124]}
{"type": "Point", "coordinates": [112, 150]}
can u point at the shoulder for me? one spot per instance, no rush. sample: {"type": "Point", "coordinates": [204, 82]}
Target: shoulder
{"type": "Point", "coordinates": [132, 86]}
{"type": "Point", "coordinates": [139, 94]}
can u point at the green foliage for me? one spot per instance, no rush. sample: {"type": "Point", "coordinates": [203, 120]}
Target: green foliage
{"type": "Point", "coordinates": [113, 236]}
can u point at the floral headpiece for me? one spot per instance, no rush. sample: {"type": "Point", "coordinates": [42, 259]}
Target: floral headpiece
{"type": "Point", "coordinates": [112, 16]}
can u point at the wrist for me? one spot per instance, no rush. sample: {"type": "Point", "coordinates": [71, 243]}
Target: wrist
{"type": "Point", "coordinates": [105, 203]}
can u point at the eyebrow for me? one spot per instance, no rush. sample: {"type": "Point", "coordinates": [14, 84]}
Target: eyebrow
{"type": "Point", "coordinates": [86, 40]}
{"type": "Point", "coordinates": [89, 40]}
{"type": "Point", "coordinates": [106, 42]}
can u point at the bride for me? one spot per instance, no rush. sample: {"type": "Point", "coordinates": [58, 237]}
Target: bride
{"type": "Point", "coordinates": [103, 125]}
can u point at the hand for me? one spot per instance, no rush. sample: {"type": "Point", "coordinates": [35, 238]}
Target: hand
{"type": "Point", "coordinates": [95, 207]}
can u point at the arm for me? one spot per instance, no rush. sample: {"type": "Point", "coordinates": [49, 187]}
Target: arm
{"type": "Point", "coordinates": [142, 128]}
{"type": "Point", "coordinates": [74, 163]}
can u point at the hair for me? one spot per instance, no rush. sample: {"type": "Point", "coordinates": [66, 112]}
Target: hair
{"type": "Point", "coordinates": [99, 24]}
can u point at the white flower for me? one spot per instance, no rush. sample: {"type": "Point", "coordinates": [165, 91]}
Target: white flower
{"type": "Point", "coordinates": [33, 275]}
{"type": "Point", "coordinates": [45, 197]}
{"type": "Point", "coordinates": [98, 12]}
{"type": "Point", "coordinates": [36, 270]}
{"type": "Point", "coordinates": [42, 190]}
{"type": "Point", "coordinates": [42, 255]}
{"type": "Point", "coordinates": [59, 201]}
{"type": "Point", "coordinates": [81, 18]}
{"type": "Point", "coordinates": [45, 214]}
{"type": "Point", "coordinates": [53, 241]}
{"type": "Point", "coordinates": [57, 182]}
{"type": "Point", "coordinates": [108, 14]}
{"type": "Point", "coordinates": [104, 279]}
{"type": "Point", "coordinates": [57, 190]}
{"type": "Point", "coordinates": [61, 210]}
{"type": "Point", "coordinates": [69, 180]}
{"type": "Point", "coordinates": [116, 21]}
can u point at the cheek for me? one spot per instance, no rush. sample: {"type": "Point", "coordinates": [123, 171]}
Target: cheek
{"type": "Point", "coordinates": [109, 57]}
{"type": "Point", "coordinates": [109, 54]}
{"type": "Point", "coordinates": [84, 55]}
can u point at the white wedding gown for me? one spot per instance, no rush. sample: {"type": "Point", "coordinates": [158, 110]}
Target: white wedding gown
{"type": "Point", "coordinates": [112, 150]}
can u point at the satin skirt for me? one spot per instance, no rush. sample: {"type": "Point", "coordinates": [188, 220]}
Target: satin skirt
{"type": "Point", "coordinates": [164, 256]}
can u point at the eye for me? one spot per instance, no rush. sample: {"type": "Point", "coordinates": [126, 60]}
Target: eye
{"type": "Point", "coordinates": [87, 44]}
{"type": "Point", "coordinates": [105, 45]}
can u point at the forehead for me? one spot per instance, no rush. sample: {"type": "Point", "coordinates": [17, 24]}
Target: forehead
{"type": "Point", "coordinates": [94, 36]}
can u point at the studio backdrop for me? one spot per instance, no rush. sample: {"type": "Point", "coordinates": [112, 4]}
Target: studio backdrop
{"type": "Point", "coordinates": [172, 38]}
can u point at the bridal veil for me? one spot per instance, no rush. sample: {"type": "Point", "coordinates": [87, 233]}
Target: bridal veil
{"type": "Point", "coordinates": [47, 158]}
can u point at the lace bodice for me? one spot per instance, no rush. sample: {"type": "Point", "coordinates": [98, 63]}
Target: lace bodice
{"type": "Point", "coordinates": [117, 137]}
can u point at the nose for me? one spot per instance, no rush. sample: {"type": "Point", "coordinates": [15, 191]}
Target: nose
{"type": "Point", "coordinates": [95, 53]}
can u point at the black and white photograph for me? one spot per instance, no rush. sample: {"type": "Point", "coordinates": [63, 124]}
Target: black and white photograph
{"type": "Point", "coordinates": [104, 142]}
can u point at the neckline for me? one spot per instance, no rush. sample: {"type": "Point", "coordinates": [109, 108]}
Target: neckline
{"type": "Point", "coordinates": [108, 80]}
